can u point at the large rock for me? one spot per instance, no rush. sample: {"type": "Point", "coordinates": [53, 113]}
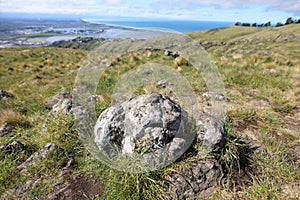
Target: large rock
{"type": "Point", "coordinates": [150, 125]}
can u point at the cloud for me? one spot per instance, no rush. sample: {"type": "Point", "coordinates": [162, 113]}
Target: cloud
{"type": "Point", "coordinates": [112, 2]}
{"type": "Point", "coordinates": [292, 6]}
{"type": "Point", "coordinates": [63, 6]}
{"type": "Point", "coordinates": [152, 8]}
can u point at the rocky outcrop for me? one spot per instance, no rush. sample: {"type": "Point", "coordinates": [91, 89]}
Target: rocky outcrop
{"type": "Point", "coordinates": [86, 43]}
{"type": "Point", "coordinates": [13, 147]}
{"type": "Point", "coordinates": [159, 130]}
{"type": "Point", "coordinates": [60, 103]}
{"type": "Point", "coordinates": [211, 132]}
{"type": "Point", "coordinates": [275, 38]}
{"type": "Point", "coordinates": [150, 125]}
{"type": "Point", "coordinates": [4, 95]}
{"type": "Point", "coordinates": [171, 53]}
{"type": "Point", "coordinates": [7, 128]}
{"type": "Point", "coordinates": [198, 179]}
{"type": "Point", "coordinates": [59, 97]}
{"type": "Point", "coordinates": [41, 153]}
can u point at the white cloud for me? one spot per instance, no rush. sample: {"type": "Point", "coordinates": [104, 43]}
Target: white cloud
{"type": "Point", "coordinates": [149, 8]}
{"type": "Point", "coordinates": [112, 2]}
{"type": "Point", "coordinates": [282, 5]}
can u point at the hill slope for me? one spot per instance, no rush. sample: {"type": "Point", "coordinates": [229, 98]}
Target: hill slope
{"type": "Point", "coordinates": [261, 71]}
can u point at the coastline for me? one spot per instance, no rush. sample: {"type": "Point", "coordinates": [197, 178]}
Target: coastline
{"type": "Point", "coordinates": [18, 33]}
{"type": "Point", "coordinates": [174, 26]}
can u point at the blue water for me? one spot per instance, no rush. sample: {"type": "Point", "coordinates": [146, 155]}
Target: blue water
{"type": "Point", "coordinates": [182, 26]}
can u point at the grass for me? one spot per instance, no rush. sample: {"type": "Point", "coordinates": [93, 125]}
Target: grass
{"type": "Point", "coordinates": [36, 74]}
{"type": "Point", "coordinates": [10, 117]}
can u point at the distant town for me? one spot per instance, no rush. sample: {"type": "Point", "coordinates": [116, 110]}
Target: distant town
{"type": "Point", "coordinates": [44, 32]}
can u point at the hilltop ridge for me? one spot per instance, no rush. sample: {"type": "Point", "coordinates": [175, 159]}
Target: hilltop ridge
{"type": "Point", "coordinates": [260, 68]}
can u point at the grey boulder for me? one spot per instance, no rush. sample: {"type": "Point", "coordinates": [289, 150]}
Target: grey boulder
{"type": "Point", "coordinates": [150, 125]}
{"type": "Point", "coordinates": [211, 131]}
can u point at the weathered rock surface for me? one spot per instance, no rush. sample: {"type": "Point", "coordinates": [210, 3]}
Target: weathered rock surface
{"type": "Point", "coordinates": [162, 84]}
{"type": "Point", "coordinates": [4, 95]}
{"type": "Point", "coordinates": [211, 131]}
{"type": "Point", "coordinates": [214, 96]}
{"type": "Point", "coordinates": [41, 153]}
{"type": "Point", "coordinates": [6, 128]}
{"type": "Point", "coordinates": [151, 125]}
{"type": "Point", "coordinates": [195, 181]}
{"type": "Point", "coordinates": [63, 106]}
{"type": "Point", "coordinates": [13, 147]}
{"type": "Point", "coordinates": [171, 53]}
{"type": "Point", "coordinates": [59, 97]}
{"type": "Point", "coordinates": [60, 103]}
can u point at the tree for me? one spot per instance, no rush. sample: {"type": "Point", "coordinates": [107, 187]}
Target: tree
{"type": "Point", "coordinates": [267, 24]}
{"type": "Point", "coordinates": [279, 24]}
{"type": "Point", "coordinates": [238, 24]}
{"type": "Point", "coordinates": [289, 21]}
{"type": "Point", "coordinates": [245, 24]}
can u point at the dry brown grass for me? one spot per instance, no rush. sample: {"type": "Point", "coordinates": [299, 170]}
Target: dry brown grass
{"type": "Point", "coordinates": [8, 116]}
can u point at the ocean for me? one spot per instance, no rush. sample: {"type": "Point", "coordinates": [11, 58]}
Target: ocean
{"type": "Point", "coordinates": [182, 26]}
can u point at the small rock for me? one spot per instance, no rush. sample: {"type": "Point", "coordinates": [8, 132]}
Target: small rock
{"type": "Point", "coordinates": [162, 84]}
{"type": "Point", "coordinates": [252, 143]}
{"type": "Point", "coordinates": [41, 153]}
{"type": "Point", "coordinates": [211, 131]}
{"type": "Point", "coordinates": [260, 103]}
{"type": "Point", "coordinates": [63, 105]}
{"type": "Point", "coordinates": [214, 96]}
{"type": "Point", "coordinates": [69, 164]}
{"type": "Point", "coordinates": [167, 52]}
{"type": "Point", "coordinates": [224, 58]}
{"type": "Point", "coordinates": [4, 95]}
{"type": "Point", "coordinates": [95, 98]}
{"type": "Point", "coordinates": [6, 128]}
{"type": "Point", "coordinates": [13, 147]}
{"type": "Point", "coordinates": [60, 96]}
{"type": "Point", "coordinates": [109, 64]}
{"type": "Point", "coordinates": [171, 53]}
{"type": "Point", "coordinates": [179, 61]}
{"type": "Point", "coordinates": [269, 71]}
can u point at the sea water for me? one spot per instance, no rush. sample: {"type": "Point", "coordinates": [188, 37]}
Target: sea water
{"type": "Point", "coordinates": [182, 26]}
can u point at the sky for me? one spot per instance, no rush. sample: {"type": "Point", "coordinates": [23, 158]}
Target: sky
{"type": "Point", "coordinates": [204, 10]}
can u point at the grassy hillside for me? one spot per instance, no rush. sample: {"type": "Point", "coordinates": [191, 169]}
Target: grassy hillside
{"type": "Point", "coordinates": [261, 71]}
